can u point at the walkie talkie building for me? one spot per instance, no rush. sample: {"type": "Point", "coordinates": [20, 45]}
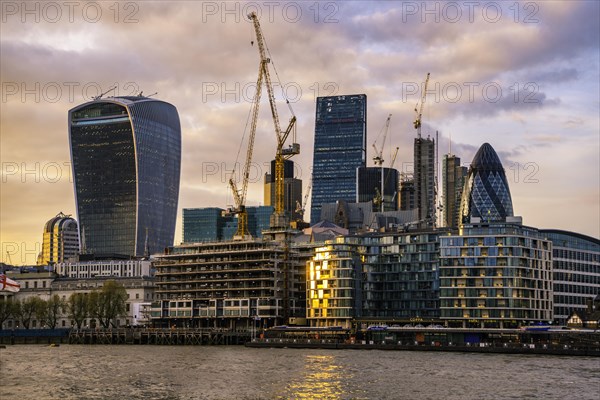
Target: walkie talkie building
{"type": "Point", "coordinates": [126, 160]}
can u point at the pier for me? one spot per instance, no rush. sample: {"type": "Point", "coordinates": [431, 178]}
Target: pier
{"type": "Point", "coordinates": [154, 336]}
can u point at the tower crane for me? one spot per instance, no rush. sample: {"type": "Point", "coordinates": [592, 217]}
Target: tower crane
{"type": "Point", "coordinates": [278, 220]}
{"type": "Point", "coordinates": [301, 208]}
{"type": "Point", "coordinates": [239, 196]}
{"type": "Point", "coordinates": [419, 109]}
{"type": "Point", "coordinates": [379, 161]}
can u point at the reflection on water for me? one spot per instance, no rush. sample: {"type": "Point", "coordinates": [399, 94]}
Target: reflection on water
{"type": "Point", "coordinates": [76, 372]}
{"type": "Point", "coordinates": [322, 379]}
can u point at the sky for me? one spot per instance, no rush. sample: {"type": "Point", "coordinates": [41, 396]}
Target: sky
{"type": "Point", "coordinates": [522, 76]}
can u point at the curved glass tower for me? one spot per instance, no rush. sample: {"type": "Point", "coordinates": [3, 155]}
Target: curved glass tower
{"type": "Point", "coordinates": [486, 194]}
{"type": "Point", "coordinates": [126, 159]}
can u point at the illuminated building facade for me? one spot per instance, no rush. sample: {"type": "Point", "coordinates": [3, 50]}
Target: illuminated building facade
{"type": "Point", "coordinates": [60, 240]}
{"type": "Point", "coordinates": [383, 277]}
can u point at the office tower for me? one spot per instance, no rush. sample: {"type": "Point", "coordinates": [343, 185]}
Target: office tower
{"type": "Point", "coordinates": [486, 194]}
{"type": "Point", "coordinates": [60, 240]}
{"type": "Point", "coordinates": [292, 190]}
{"type": "Point", "coordinates": [126, 156]}
{"type": "Point", "coordinates": [368, 187]}
{"type": "Point", "coordinates": [424, 179]}
{"type": "Point", "coordinates": [340, 148]}
{"type": "Point", "coordinates": [453, 179]}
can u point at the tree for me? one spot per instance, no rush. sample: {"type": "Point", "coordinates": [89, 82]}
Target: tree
{"type": "Point", "coordinates": [6, 310]}
{"type": "Point", "coordinates": [50, 311]}
{"type": "Point", "coordinates": [77, 308]}
{"type": "Point", "coordinates": [27, 309]}
{"type": "Point", "coordinates": [108, 303]}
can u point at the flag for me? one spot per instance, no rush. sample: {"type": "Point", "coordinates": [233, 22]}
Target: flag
{"type": "Point", "coordinates": [7, 284]}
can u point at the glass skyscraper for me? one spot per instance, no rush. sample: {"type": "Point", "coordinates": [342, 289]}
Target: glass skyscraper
{"type": "Point", "coordinates": [486, 194]}
{"type": "Point", "coordinates": [126, 159]}
{"type": "Point", "coordinates": [340, 148]}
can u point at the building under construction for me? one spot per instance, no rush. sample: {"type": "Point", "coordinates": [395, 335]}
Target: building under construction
{"type": "Point", "coordinates": [232, 284]}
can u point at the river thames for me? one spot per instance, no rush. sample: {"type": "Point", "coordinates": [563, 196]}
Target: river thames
{"type": "Point", "coordinates": [39, 372]}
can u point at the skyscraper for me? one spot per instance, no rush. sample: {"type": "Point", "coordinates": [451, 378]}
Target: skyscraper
{"type": "Point", "coordinates": [486, 194]}
{"type": "Point", "coordinates": [424, 178]}
{"type": "Point", "coordinates": [292, 189]}
{"type": "Point", "coordinates": [340, 148]}
{"type": "Point", "coordinates": [60, 240]}
{"type": "Point", "coordinates": [453, 179]}
{"type": "Point", "coordinates": [126, 157]}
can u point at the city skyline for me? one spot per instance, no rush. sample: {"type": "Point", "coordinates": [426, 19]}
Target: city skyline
{"type": "Point", "coordinates": [549, 148]}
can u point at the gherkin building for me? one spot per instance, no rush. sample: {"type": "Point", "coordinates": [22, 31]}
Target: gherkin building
{"type": "Point", "coordinates": [486, 194]}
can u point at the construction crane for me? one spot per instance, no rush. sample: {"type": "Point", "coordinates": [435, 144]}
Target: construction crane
{"type": "Point", "coordinates": [301, 208]}
{"type": "Point", "coordinates": [419, 109]}
{"type": "Point", "coordinates": [379, 199]}
{"type": "Point", "coordinates": [239, 196]}
{"type": "Point", "coordinates": [379, 161]}
{"type": "Point", "coordinates": [278, 220]}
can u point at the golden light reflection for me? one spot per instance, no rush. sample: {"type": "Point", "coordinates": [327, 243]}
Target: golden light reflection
{"type": "Point", "coordinates": [322, 379]}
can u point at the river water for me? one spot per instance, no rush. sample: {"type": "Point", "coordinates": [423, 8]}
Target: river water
{"type": "Point", "coordinates": [234, 372]}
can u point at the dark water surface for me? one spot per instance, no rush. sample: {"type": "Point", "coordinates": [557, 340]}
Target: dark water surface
{"type": "Point", "coordinates": [233, 372]}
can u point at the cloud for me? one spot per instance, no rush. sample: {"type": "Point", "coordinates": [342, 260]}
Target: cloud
{"type": "Point", "coordinates": [201, 60]}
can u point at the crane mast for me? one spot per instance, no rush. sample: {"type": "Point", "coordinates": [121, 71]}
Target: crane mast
{"type": "Point", "coordinates": [279, 220]}
{"type": "Point", "coordinates": [419, 112]}
{"type": "Point", "coordinates": [379, 161]}
{"type": "Point", "coordinates": [239, 196]}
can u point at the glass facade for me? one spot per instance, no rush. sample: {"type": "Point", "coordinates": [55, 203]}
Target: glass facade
{"type": "Point", "coordinates": [495, 276]}
{"type": "Point", "coordinates": [369, 187]}
{"type": "Point", "coordinates": [486, 194]}
{"type": "Point", "coordinates": [340, 148]}
{"type": "Point", "coordinates": [576, 272]}
{"type": "Point", "coordinates": [210, 225]}
{"type": "Point", "coordinates": [126, 156]}
{"type": "Point", "coordinates": [400, 276]}
{"type": "Point", "coordinates": [392, 277]}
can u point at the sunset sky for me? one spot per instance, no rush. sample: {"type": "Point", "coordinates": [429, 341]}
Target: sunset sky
{"type": "Point", "coordinates": [522, 76]}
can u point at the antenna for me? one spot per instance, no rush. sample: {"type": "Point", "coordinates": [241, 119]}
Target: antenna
{"type": "Point", "coordinates": [102, 94]}
{"type": "Point", "coordinates": [153, 94]}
